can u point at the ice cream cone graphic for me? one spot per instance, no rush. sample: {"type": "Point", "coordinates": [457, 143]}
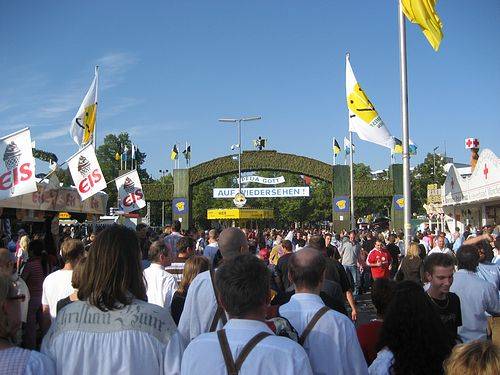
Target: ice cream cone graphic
{"type": "Point", "coordinates": [83, 165]}
{"type": "Point", "coordinates": [11, 156]}
{"type": "Point", "coordinates": [128, 185]}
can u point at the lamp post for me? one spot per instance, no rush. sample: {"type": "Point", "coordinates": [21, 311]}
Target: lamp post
{"type": "Point", "coordinates": [239, 121]}
{"type": "Point", "coordinates": [434, 163]}
{"type": "Point", "coordinates": [163, 173]}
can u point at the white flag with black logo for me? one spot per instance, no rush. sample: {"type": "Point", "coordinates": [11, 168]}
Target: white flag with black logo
{"type": "Point", "coordinates": [17, 167]}
{"type": "Point", "coordinates": [130, 194]}
{"type": "Point", "coordinates": [86, 172]}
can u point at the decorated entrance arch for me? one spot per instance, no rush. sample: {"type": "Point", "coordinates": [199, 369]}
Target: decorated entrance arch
{"type": "Point", "coordinates": [337, 176]}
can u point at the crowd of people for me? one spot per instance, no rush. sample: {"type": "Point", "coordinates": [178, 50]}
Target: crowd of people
{"type": "Point", "coordinates": [241, 301]}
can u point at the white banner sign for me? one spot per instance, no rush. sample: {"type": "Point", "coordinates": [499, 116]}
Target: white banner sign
{"type": "Point", "coordinates": [130, 192]}
{"type": "Point", "coordinates": [263, 180]}
{"type": "Point", "coordinates": [86, 172]}
{"type": "Point", "coordinates": [17, 167]}
{"type": "Point", "coordinates": [275, 192]}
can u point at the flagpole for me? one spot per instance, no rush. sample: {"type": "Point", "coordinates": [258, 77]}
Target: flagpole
{"type": "Point", "coordinates": [94, 135]}
{"type": "Point", "coordinates": [353, 221]}
{"type": "Point", "coordinates": [406, 131]}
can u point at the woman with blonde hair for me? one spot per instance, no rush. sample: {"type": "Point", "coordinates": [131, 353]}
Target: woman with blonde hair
{"type": "Point", "coordinates": [193, 266]}
{"type": "Point", "coordinates": [22, 252]}
{"type": "Point", "coordinates": [475, 357]}
{"type": "Point", "coordinates": [411, 265]}
{"type": "Point", "coordinates": [14, 360]}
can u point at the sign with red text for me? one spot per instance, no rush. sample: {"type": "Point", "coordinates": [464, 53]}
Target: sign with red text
{"type": "Point", "coordinates": [86, 172]}
{"type": "Point", "coordinates": [17, 165]}
{"type": "Point", "coordinates": [130, 192]}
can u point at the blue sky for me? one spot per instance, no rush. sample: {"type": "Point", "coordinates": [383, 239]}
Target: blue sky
{"type": "Point", "coordinates": [170, 69]}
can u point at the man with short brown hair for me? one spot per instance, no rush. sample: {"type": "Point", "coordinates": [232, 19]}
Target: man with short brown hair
{"type": "Point", "coordinates": [328, 336]}
{"type": "Point", "coordinates": [57, 285]}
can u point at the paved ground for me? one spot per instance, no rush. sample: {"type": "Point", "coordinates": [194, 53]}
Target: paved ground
{"type": "Point", "coordinates": [366, 310]}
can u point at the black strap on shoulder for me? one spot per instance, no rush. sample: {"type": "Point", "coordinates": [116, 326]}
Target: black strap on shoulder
{"type": "Point", "coordinates": [312, 323]}
{"type": "Point", "coordinates": [234, 367]}
{"type": "Point", "coordinates": [219, 313]}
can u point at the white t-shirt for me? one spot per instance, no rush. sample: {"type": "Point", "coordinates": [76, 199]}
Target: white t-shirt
{"type": "Point", "coordinates": [56, 286]}
{"type": "Point", "coordinates": [437, 250]}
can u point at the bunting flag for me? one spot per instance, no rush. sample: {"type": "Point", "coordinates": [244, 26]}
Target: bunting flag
{"type": "Point", "coordinates": [130, 194]}
{"type": "Point", "coordinates": [348, 146]}
{"type": "Point", "coordinates": [86, 172]}
{"type": "Point", "coordinates": [363, 118]}
{"type": "Point", "coordinates": [17, 166]}
{"type": "Point", "coordinates": [398, 146]}
{"type": "Point", "coordinates": [335, 147]}
{"type": "Point", "coordinates": [412, 148]}
{"type": "Point", "coordinates": [187, 152]}
{"type": "Point", "coordinates": [83, 124]}
{"type": "Point", "coordinates": [174, 153]}
{"type": "Point", "coordinates": [125, 153]}
{"type": "Point", "coordinates": [423, 13]}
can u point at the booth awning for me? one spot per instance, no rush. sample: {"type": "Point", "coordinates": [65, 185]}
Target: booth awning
{"type": "Point", "coordinates": [239, 213]}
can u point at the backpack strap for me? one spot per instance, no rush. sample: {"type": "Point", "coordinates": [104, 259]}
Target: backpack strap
{"type": "Point", "coordinates": [312, 323]}
{"type": "Point", "coordinates": [219, 313]}
{"type": "Point", "coordinates": [234, 367]}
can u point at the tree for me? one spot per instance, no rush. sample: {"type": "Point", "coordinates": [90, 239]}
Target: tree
{"type": "Point", "coordinates": [424, 174]}
{"type": "Point", "coordinates": [362, 171]}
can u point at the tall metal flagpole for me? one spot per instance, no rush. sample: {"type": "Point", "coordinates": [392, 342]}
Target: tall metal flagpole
{"type": "Point", "coordinates": [353, 220]}
{"type": "Point", "coordinates": [406, 131]}
{"type": "Point", "coordinates": [94, 135]}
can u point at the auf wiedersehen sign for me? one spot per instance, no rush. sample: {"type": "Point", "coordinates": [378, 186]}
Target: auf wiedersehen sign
{"type": "Point", "coordinates": [274, 192]}
{"type": "Point", "coordinates": [263, 180]}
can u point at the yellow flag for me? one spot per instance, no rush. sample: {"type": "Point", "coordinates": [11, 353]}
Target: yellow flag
{"type": "Point", "coordinates": [423, 12]}
{"type": "Point", "coordinates": [174, 153]}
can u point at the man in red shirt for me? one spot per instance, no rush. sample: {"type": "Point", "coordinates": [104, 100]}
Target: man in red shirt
{"type": "Point", "coordinates": [380, 261]}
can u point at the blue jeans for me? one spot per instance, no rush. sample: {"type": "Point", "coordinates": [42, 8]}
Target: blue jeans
{"type": "Point", "coordinates": [354, 275]}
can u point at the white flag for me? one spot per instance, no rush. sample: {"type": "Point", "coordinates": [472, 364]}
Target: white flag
{"type": "Point", "coordinates": [17, 167]}
{"type": "Point", "coordinates": [130, 194]}
{"type": "Point", "coordinates": [363, 118]}
{"type": "Point", "coordinates": [348, 147]}
{"type": "Point", "coordinates": [133, 151]}
{"type": "Point", "coordinates": [86, 172]}
{"type": "Point", "coordinates": [83, 124]}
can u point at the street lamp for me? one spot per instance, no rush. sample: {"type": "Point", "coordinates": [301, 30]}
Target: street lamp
{"type": "Point", "coordinates": [434, 165]}
{"type": "Point", "coordinates": [239, 121]}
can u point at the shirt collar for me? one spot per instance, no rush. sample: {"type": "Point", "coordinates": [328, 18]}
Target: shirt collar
{"type": "Point", "coordinates": [466, 272]}
{"type": "Point", "coordinates": [157, 266]}
{"type": "Point", "coordinates": [307, 297]}
{"type": "Point", "coordinates": [247, 324]}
